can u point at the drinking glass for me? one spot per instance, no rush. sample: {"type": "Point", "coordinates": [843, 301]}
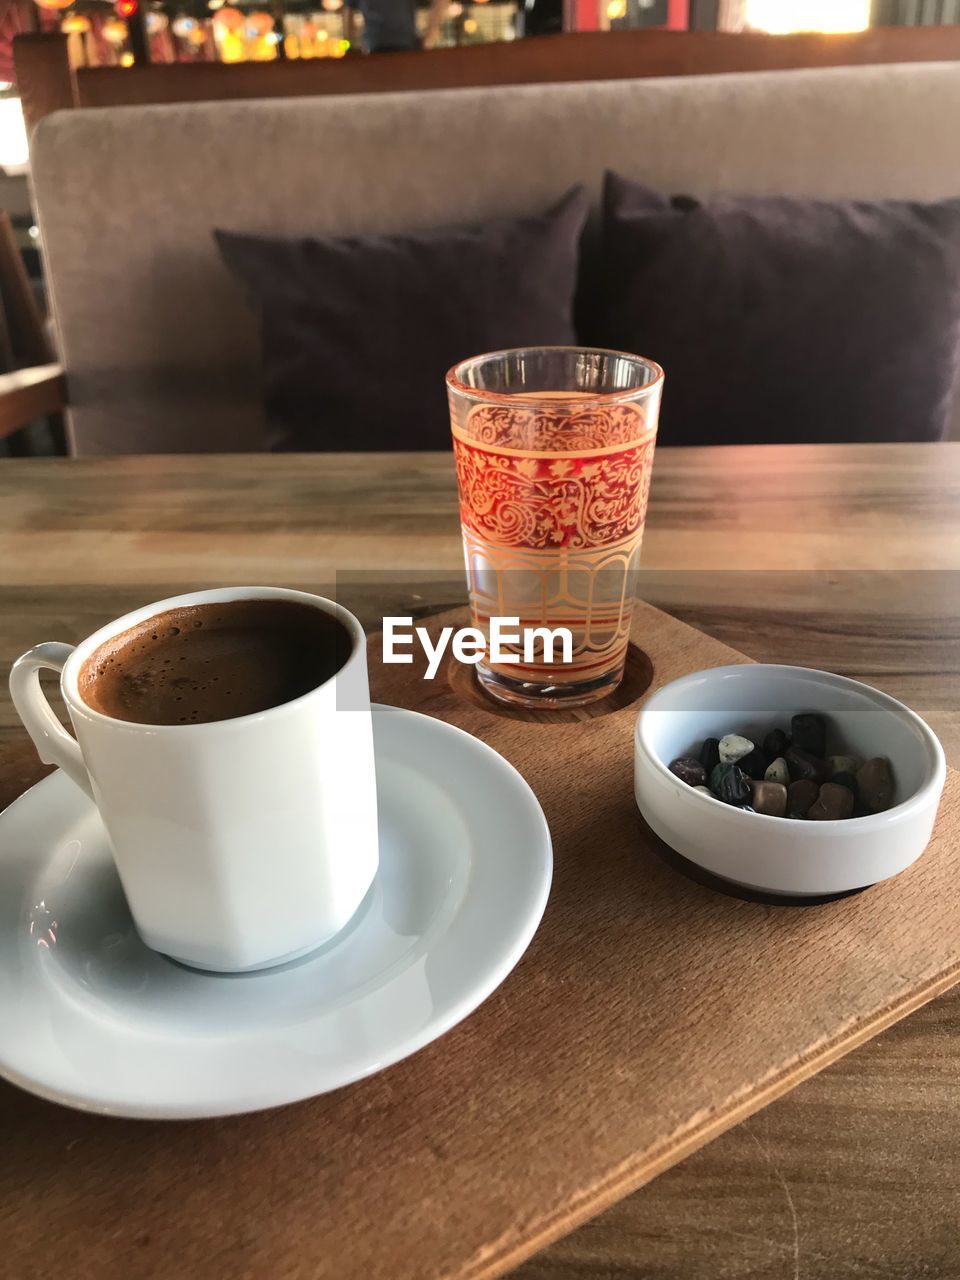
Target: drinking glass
{"type": "Point", "coordinates": [554, 449]}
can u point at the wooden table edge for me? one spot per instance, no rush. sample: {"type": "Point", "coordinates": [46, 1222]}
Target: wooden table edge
{"type": "Point", "coordinates": [629, 1177]}
{"type": "Point", "coordinates": [497, 1259]}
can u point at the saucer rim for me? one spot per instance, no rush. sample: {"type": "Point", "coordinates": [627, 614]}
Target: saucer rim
{"type": "Point", "coordinates": [403, 1047]}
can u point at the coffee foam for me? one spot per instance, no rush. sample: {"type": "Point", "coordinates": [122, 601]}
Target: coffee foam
{"type": "Point", "coordinates": [214, 661]}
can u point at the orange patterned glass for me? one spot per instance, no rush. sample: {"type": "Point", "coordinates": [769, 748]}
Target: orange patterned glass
{"type": "Point", "coordinates": [554, 449]}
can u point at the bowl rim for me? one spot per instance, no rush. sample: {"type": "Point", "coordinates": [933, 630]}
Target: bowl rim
{"type": "Point", "coordinates": [928, 791]}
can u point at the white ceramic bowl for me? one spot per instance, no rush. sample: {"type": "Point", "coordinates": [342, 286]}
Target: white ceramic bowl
{"type": "Point", "coordinates": [780, 855]}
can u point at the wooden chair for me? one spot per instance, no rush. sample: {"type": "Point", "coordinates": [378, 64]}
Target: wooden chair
{"type": "Point", "coordinates": [37, 389]}
{"type": "Point", "coordinates": [47, 82]}
{"type": "Point", "coordinates": [28, 394]}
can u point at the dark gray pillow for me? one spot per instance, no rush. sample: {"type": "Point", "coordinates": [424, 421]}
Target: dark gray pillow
{"type": "Point", "coordinates": [358, 332]}
{"type": "Point", "coordinates": [783, 320]}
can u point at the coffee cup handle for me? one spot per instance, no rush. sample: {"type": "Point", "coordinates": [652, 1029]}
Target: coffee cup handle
{"type": "Point", "coordinates": [54, 745]}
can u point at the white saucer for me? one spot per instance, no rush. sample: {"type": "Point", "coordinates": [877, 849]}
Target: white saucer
{"type": "Point", "coordinates": [89, 1016]}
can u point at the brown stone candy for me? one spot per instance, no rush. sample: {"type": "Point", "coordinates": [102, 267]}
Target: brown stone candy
{"type": "Point", "coordinates": [800, 797]}
{"type": "Point", "coordinates": [769, 798]}
{"type": "Point", "coordinates": [689, 771]}
{"type": "Point", "coordinates": [804, 765]}
{"type": "Point", "coordinates": [790, 775]}
{"type": "Point", "coordinates": [832, 802]}
{"type": "Point", "coordinates": [875, 786]}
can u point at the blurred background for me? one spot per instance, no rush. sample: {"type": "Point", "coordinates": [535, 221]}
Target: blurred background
{"type": "Point", "coordinates": [57, 54]}
{"type": "Point", "coordinates": [129, 33]}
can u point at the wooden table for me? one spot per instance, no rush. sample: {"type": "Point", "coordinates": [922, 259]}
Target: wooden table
{"type": "Point", "coordinates": [843, 557]}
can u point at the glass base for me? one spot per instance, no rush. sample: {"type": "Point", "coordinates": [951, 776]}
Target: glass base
{"type": "Point", "coordinates": [543, 696]}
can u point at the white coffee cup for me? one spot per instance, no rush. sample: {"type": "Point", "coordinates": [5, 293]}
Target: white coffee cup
{"type": "Point", "coordinates": [240, 843]}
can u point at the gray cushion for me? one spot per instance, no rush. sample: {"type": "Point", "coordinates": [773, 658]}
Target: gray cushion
{"type": "Point", "coordinates": [781, 320]}
{"type": "Point", "coordinates": [160, 349]}
{"type": "Point", "coordinates": [359, 332]}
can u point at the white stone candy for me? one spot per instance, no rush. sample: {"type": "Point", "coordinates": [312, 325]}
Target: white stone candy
{"type": "Point", "coordinates": [734, 748]}
{"type": "Point", "coordinates": [843, 764]}
{"type": "Point", "coordinates": [706, 791]}
{"type": "Point", "coordinates": [777, 771]}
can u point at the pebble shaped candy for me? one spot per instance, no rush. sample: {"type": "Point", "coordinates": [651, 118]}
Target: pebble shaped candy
{"type": "Point", "coordinates": [802, 764]}
{"type": "Point", "coordinates": [775, 743]}
{"type": "Point", "coordinates": [755, 764]}
{"type": "Point", "coordinates": [689, 771]}
{"type": "Point", "coordinates": [769, 798]}
{"type": "Point", "coordinates": [710, 754]}
{"type": "Point", "coordinates": [875, 785]}
{"type": "Point", "coordinates": [800, 796]}
{"type": "Point", "coordinates": [848, 780]}
{"type": "Point", "coordinates": [843, 764]}
{"type": "Point", "coordinates": [728, 784]}
{"type": "Point", "coordinates": [705, 791]}
{"type": "Point", "coordinates": [777, 771]}
{"type": "Point", "coordinates": [733, 747]}
{"type": "Point", "coordinates": [832, 804]}
{"type": "Point", "coordinates": [809, 733]}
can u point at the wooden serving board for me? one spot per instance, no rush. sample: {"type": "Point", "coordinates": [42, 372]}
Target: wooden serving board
{"type": "Point", "coordinates": [650, 1013]}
